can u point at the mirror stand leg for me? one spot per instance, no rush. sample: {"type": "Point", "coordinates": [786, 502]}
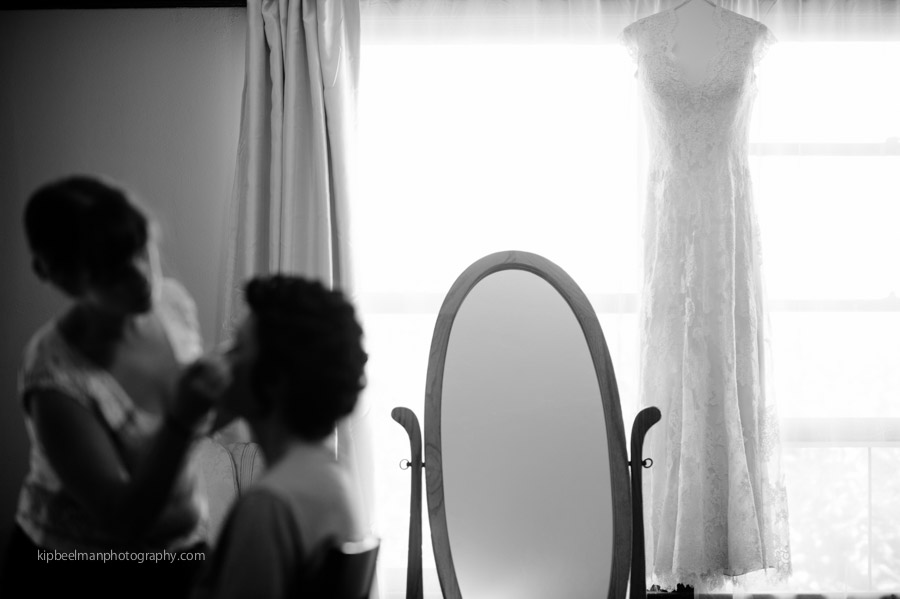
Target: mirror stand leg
{"type": "Point", "coordinates": [645, 419]}
{"type": "Point", "coordinates": [407, 419]}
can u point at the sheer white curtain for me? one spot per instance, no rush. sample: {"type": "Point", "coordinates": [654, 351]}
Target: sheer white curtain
{"type": "Point", "coordinates": [464, 151]}
{"type": "Point", "coordinates": [295, 173]}
{"type": "Point", "coordinates": [826, 166]}
{"type": "Point", "coordinates": [494, 125]}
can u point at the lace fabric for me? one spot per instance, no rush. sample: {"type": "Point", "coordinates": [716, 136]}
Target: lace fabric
{"type": "Point", "coordinates": [716, 507]}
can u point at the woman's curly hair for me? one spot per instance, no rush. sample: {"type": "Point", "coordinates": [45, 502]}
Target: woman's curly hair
{"type": "Point", "coordinates": [308, 337]}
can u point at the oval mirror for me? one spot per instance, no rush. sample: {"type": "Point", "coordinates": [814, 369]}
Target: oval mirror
{"type": "Point", "coordinates": [526, 468]}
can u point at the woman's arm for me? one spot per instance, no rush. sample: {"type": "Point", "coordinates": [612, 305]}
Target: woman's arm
{"type": "Point", "coordinates": [85, 458]}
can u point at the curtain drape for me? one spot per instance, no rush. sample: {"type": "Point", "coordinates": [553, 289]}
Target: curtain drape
{"type": "Point", "coordinates": [294, 177]}
{"type": "Point", "coordinates": [297, 146]}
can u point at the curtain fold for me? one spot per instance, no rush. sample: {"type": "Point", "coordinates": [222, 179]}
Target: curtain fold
{"type": "Point", "coordinates": [294, 175]}
{"type": "Point", "coordinates": [297, 147]}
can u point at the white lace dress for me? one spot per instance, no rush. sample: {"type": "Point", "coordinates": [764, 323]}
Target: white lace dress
{"type": "Point", "coordinates": [715, 506]}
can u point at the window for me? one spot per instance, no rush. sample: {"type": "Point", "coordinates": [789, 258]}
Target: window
{"type": "Point", "coordinates": [468, 149]}
{"type": "Point", "coordinates": [827, 175]}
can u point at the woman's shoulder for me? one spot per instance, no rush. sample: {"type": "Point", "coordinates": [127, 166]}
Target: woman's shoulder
{"type": "Point", "coordinates": [262, 510]}
{"type": "Point", "coordinates": [45, 337]}
{"type": "Point", "coordinates": [46, 350]}
{"type": "Point", "coordinates": [308, 473]}
{"type": "Point", "coordinates": [49, 363]}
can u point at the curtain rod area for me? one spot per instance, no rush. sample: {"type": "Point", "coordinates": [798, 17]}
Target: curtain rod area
{"type": "Point", "coordinates": [624, 6]}
{"type": "Point", "coordinates": [108, 4]}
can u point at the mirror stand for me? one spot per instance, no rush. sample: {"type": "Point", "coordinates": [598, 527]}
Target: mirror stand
{"type": "Point", "coordinates": [645, 419]}
{"type": "Point", "coordinates": [497, 309]}
{"type": "Point", "coordinates": [407, 419]}
{"type": "Point", "coordinates": [642, 423]}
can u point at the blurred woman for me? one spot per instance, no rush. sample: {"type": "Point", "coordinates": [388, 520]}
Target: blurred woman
{"type": "Point", "coordinates": [111, 429]}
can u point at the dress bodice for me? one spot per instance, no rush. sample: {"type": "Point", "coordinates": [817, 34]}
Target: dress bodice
{"type": "Point", "coordinates": [697, 113]}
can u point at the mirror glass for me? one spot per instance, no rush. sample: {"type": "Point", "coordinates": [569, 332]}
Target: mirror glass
{"type": "Point", "coordinates": [525, 460]}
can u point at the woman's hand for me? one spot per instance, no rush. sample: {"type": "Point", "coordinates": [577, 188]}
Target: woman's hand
{"type": "Point", "coordinates": [200, 387]}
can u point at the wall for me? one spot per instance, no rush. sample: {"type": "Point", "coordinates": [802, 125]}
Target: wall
{"type": "Point", "coordinates": [150, 98]}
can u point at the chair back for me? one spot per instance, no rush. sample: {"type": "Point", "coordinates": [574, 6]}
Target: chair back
{"type": "Point", "coordinates": [348, 571]}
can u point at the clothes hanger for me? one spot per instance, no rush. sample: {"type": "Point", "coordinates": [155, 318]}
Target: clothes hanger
{"type": "Point", "coordinates": [710, 2]}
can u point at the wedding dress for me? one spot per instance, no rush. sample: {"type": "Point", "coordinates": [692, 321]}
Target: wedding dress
{"type": "Point", "coordinates": [716, 507]}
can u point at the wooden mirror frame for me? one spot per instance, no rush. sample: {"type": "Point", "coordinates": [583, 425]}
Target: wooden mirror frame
{"type": "Point", "coordinates": [627, 517]}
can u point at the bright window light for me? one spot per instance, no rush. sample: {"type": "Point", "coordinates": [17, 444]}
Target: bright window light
{"type": "Point", "coordinates": [469, 149]}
